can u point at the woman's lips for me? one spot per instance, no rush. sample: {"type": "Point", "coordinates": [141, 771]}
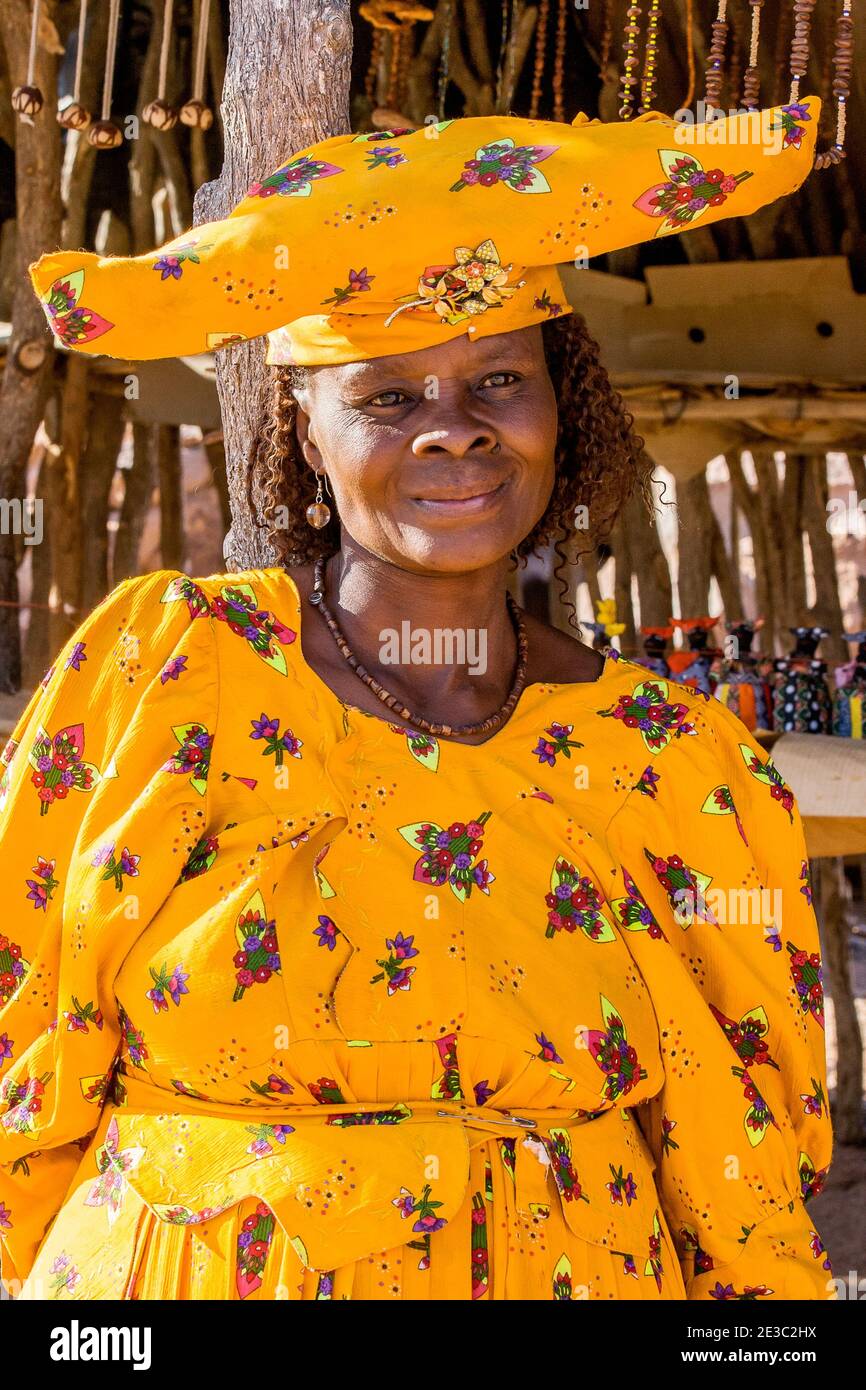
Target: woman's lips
{"type": "Point", "coordinates": [461, 506]}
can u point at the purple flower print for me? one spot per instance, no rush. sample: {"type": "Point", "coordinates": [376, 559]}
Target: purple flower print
{"type": "Point", "coordinates": [359, 280]}
{"type": "Point", "coordinates": [170, 267]}
{"type": "Point", "coordinates": [42, 892]}
{"type": "Point", "coordinates": [173, 668]}
{"type": "Point", "coordinates": [399, 976]}
{"type": "Point", "coordinates": [5, 1213]}
{"type": "Point", "coordinates": [420, 1207]}
{"type": "Point", "coordinates": [276, 744]}
{"type": "Point", "coordinates": [173, 984]}
{"type": "Point", "coordinates": [76, 656]}
{"type": "Point", "coordinates": [483, 1092]}
{"type": "Point", "coordinates": [554, 742]}
{"type": "Point", "coordinates": [327, 931]}
{"type": "Point", "coordinates": [118, 869]}
{"type": "Point", "coordinates": [387, 156]}
{"type": "Point", "coordinates": [6, 1046]}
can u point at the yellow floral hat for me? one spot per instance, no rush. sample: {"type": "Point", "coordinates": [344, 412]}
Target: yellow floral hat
{"type": "Point", "coordinates": [366, 245]}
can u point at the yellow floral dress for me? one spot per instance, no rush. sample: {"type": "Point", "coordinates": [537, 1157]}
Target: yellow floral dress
{"type": "Point", "coordinates": [297, 1004]}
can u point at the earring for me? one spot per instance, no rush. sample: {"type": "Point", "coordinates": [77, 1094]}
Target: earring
{"type": "Point", "coordinates": [318, 512]}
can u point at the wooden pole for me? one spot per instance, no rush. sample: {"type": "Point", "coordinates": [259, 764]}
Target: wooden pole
{"type": "Point", "coordinates": [30, 358]}
{"type": "Point", "coordinates": [288, 71]}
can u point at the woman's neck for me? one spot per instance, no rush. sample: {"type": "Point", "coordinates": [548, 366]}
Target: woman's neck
{"type": "Point", "coordinates": [434, 640]}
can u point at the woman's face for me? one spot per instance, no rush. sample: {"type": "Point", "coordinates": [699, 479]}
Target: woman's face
{"type": "Point", "coordinates": [441, 460]}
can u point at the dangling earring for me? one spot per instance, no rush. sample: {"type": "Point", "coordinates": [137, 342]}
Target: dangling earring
{"type": "Point", "coordinates": [318, 512]}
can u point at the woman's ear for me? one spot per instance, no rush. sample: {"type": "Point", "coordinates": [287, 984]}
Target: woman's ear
{"type": "Point", "coordinates": [305, 433]}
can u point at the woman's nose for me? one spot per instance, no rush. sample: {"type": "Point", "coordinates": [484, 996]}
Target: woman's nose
{"type": "Point", "coordinates": [458, 439]}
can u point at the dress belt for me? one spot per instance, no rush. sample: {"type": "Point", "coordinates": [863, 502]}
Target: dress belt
{"type": "Point", "coordinates": [143, 1097]}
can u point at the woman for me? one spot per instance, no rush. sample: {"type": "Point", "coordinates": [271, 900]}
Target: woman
{"type": "Point", "coordinates": [350, 970]}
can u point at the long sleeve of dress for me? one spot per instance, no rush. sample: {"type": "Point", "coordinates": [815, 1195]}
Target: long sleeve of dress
{"type": "Point", "coordinates": [716, 903]}
{"type": "Point", "coordinates": [102, 798]}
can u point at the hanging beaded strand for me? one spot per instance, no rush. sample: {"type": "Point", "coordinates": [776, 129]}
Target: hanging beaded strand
{"type": "Point", "coordinates": [494, 721]}
{"type": "Point", "coordinates": [371, 81]}
{"type": "Point", "coordinates": [800, 45]}
{"type": "Point", "coordinates": [690, 55]}
{"type": "Point", "coordinates": [159, 113]}
{"type": "Point", "coordinates": [540, 54]}
{"type": "Point", "coordinates": [648, 80]}
{"type": "Point", "coordinates": [629, 62]}
{"type": "Point", "coordinates": [445, 60]}
{"type": "Point", "coordinates": [843, 51]}
{"type": "Point", "coordinates": [196, 112]}
{"type": "Point", "coordinates": [606, 42]}
{"type": "Point", "coordinates": [752, 76]}
{"type": "Point", "coordinates": [716, 57]}
{"type": "Point", "coordinates": [104, 134]}
{"type": "Point", "coordinates": [28, 99]}
{"type": "Point", "coordinates": [559, 64]}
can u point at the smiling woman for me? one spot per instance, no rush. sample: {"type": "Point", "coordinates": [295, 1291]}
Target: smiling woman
{"type": "Point", "coordinates": [423, 990]}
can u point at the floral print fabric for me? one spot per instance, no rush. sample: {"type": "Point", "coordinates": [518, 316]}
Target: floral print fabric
{"type": "Point", "coordinates": [297, 1003]}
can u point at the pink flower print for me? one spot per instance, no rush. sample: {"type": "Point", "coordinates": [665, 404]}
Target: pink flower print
{"type": "Point", "coordinates": [66, 1276]}
{"type": "Point", "coordinates": [13, 969]}
{"type": "Point", "coordinates": [327, 931]}
{"type": "Point", "coordinates": [170, 266]}
{"type": "Point", "coordinates": [420, 1207]}
{"type": "Point", "coordinates": [265, 1136]}
{"type": "Point", "coordinates": [192, 758]}
{"type": "Point", "coordinates": [165, 982]}
{"type": "Point", "coordinates": [548, 1051]}
{"type": "Point", "coordinates": [555, 742]}
{"type": "Point", "coordinates": [385, 156]}
{"type": "Point", "coordinates": [42, 892]}
{"type": "Point", "coordinates": [359, 280]}
{"type": "Point", "coordinates": [258, 956]}
{"type": "Point", "coordinates": [118, 869]}
{"type": "Point", "coordinates": [173, 668]}
{"type": "Point", "coordinates": [398, 974]}
{"type": "Point", "coordinates": [78, 1017]}
{"type": "Point", "coordinates": [237, 607]}
{"type": "Point", "coordinates": [5, 1214]}
{"type": "Point", "coordinates": [294, 178]}
{"type": "Point", "coordinates": [59, 765]}
{"type": "Point", "coordinates": [448, 856]}
{"type": "Point", "coordinates": [276, 744]}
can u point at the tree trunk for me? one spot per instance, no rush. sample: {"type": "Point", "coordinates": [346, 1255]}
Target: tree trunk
{"type": "Point", "coordinates": [30, 354]}
{"type": "Point", "coordinates": [288, 72]}
{"type": "Point", "coordinates": [848, 1110]}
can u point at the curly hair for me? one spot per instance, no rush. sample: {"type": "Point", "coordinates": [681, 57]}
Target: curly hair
{"type": "Point", "coordinates": [599, 462]}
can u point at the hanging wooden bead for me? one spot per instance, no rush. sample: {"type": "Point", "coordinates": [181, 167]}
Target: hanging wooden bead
{"type": "Point", "coordinates": [445, 59]}
{"type": "Point", "coordinates": [392, 97]}
{"type": "Point", "coordinates": [196, 112]}
{"type": "Point", "coordinates": [800, 45]}
{"type": "Point", "coordinates": [843, 53]}
{"type": "Point", "coordinates": [630, 62]}
{"type": "Point", "coordinates": [716, 56]}
{"type": "Point", "coordinates": [559, 63]}
{"type": "Point", "coordinates": [371, 82]}
{"type": "Point", "coordinates": [27, 100]}
{"type": "Point", "coordinates": [104, 134]}
{"type": "Point", "coordinates": [160, 113]}
{"type": "Point", "coordinates": [72, 115]}
{"type": "Point", "coordinates": [690, 55]}
{"type": "Point", "coordinates": [540, 53]}
{"type": "Point", "coordinates": [752, 77]}
{"type": "Point", "coordinates": [606, 41]}
{"type": "Point", "coordinates": [648, 80]}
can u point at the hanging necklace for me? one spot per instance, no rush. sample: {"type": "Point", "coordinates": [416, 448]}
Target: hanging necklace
{"type": "Point", "coordinates": [494, 721]}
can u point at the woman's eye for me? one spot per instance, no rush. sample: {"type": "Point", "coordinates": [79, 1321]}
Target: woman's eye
{"type": "Point", "coordinates": [388, 398]}
{"type": "Point", "coordinates": [498, 379]}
